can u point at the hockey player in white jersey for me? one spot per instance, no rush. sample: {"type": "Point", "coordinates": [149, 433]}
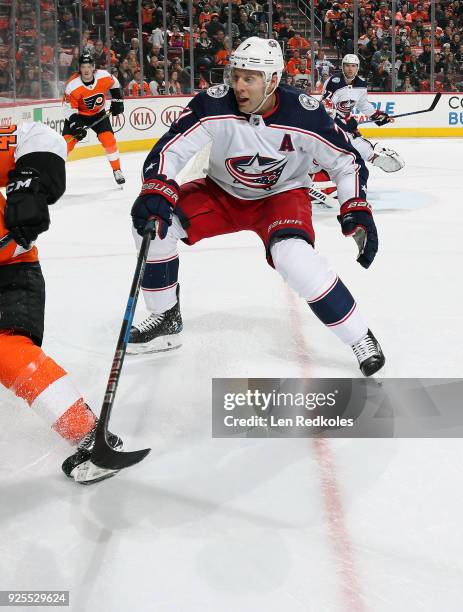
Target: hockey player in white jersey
{"type": "Point", "coordinates": [265, 139]}
{"type": "Point", "coordinates": [345, 91]}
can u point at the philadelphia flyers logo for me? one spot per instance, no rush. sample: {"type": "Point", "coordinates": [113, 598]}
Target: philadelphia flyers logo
{"type": "Point", "coordinates": [255, 171]}
{"type": "Point", "coordinates": [94, 101]}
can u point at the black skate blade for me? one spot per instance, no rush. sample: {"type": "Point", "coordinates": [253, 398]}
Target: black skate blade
{"type": "Point", "coordinates": [106, 457]}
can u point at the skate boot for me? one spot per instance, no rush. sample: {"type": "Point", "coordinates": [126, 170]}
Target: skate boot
{"type": "Point", "coordinates": [158, 332]}
{"type": "Point", "coordinates": [79, 466]}
{"type": "Point", "coordinates": [119, 177]}
{"type": "Point", "coordinates": [387, 159]}
{"type": "Point", "coordinates": [369, 354]}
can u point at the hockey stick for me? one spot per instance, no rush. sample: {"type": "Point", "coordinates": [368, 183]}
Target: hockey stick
{"type": "Point", "coordinates": [324, 200]}
{"type": "Point", "coordinates": [105, 116]}
{"type": "Point", "coordinates": [5, 241]}
{"type": "Point", "coordinates": [437, 97]}
{"type": "Point", "coordinates": [103, 455]}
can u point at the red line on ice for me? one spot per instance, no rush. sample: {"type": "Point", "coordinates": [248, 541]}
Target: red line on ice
{"type": "Point", "coordinates": [351, 592]}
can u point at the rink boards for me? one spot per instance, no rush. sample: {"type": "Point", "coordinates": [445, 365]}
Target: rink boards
{"type": "Point", "coordinates": [146, 119]}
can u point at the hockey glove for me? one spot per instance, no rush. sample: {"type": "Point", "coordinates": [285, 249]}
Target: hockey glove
{"type": "Point", "coordinates": [351, 125]}
{"type": "Point", "coordinates": [157, 200]}
{"type": "Point", "coordinates": [117, 107]}
{"type": "Point", "coordinates": [356, 220]}
{"type": "Point", "coordinates": [26, 212]}
{"type": "Point", "coordinates": [77, 127]}
{"type": "Point", "coordinates": [381, 118]}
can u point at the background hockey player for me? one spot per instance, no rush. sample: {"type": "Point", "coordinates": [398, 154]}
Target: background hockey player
{"type": "Point", "coordinates": [32, 167]}
{"type": "Point", "coordinates": [265, 140]}
{"type": "Point", "coordinates": [345, 91]}
{"type": "Point", "coordinates": [84, 103]}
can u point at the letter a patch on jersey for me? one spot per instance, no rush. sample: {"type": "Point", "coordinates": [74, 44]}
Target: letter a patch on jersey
{"type": "Point", "coordinates": [286, 143]}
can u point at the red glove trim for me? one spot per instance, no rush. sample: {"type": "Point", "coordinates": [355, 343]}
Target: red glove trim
{"type": "Point", "coordinates": [356, 205]}
{"type": "Point", "coordinates": [156, 187]}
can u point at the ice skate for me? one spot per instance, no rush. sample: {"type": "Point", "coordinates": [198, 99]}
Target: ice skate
{"type": "Point", "coordinates": [369, 354]}
{"type": "Point", "coordinates": [79, 465]}
{"type": "Point", "coordinates": [119, 177]}
{"type": "Point", "coordinates": [157, 333]}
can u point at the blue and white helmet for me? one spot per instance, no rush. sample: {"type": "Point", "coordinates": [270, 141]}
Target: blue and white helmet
{"type": "Point", "coordinates": [261, 54]}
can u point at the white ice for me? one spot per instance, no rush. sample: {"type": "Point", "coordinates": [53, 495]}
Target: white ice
{"type": "Point", "coordinates": [248, 525]}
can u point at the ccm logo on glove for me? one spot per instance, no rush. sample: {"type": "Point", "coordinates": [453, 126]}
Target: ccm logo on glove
{"type": "Point", "coordinates": [18, 185]}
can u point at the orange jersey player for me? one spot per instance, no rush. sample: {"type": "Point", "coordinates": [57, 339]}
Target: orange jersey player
{"type": "Point", "coordinates": [84, 103]}
{"type": "Point", "coordinates": [32, 168]}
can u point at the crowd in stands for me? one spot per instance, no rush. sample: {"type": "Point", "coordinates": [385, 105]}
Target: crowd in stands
{"type": "Point", "coordinates": [413, 40]}
{"type": "Point", "coordinates": [49, 39]}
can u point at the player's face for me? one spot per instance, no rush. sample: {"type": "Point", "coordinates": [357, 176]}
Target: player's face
{"type": "Point", "coordinates": [249, 88]}
{"type": "Point", "coordinates": [350, 70]}
{"type": "Point", "coordinates": [86, 71]}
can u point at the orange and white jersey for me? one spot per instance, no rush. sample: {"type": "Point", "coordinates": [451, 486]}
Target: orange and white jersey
{"type": "Point", "coordinates": [15, 142]}
{"type": "Point", "coordinates": [85, 99]}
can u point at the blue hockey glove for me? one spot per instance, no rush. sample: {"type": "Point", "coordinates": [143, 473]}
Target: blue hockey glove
{"type": "Point", "coordinates": [381, 118]}
{"type": "Point", "coordinates": [157, 200]}
{"type": "Point", "coordinates": [356, 220]}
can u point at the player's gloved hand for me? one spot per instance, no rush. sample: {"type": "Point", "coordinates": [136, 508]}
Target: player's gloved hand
{"type": "Point", "coordinates": [356, 220]}
{"type": "Point", "coordinates": [117, 107]}
{"type": "Point", "coordinates": [381, 118]}
{"type": "Point", "coordinates": [329, 107]}
{"type": "Point", "coordinates": [26, 212]}
{"type": "Point", "coordinates": [157, 200]}
{"type": "Point", "coordinates": [77, 127]}
{"type": "Point", "coordinates": [351, 125]}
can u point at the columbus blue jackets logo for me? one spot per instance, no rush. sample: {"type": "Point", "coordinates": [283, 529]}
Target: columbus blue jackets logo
{"type": "Point", "coordinates": [218, 91]}
{"type": "Point", "coordinates": [308, 102]}
{"type": "Point", "coordinates": [345, 106]}
{"type": "Point", "coordinates": [93, 101]}
{"type": "Point", "coordinates": [255, 171]}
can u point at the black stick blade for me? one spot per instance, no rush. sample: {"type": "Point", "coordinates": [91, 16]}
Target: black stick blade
{"type": "Point", "coordinates": [106, 457]}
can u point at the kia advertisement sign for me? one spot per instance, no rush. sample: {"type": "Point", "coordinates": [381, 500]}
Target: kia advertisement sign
{"type": "Point", "coordinates": [142, 118]}
{"type": "Point", "coordinates": [170, 114]}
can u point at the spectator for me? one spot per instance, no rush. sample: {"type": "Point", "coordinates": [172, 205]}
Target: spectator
{"type": "Point", "coordinates": [157, 37]}
{"type": "Point", "coordinates": [346, 37]}
{"type": "Point", "coordinates": [214, 26]}
{"type": "Point", "coordinates": [174, 87]}
{"type": "Point", "coordinates": [157, 85]}
{"type": "Point", "coordinates": [124, 74]}
{"type": "Point", "coordinates": [293, 63]}
{"type": "Point", "coordinates": [246, 26]}
{"type": "Point", "coordinates": [132, 59]}
{"type": "Point", "coordinates": [323, 65]}
{"type": "Point", "coordinates": [137, 87]}
{"type": "Point", "coordinates": [99, 55]}
{"type": "Point", "coordinates": [406, 85]}
{"type": "Point", "coordinates": [286, 31]}
{"type": "Point", "coordinates": [298, 42]}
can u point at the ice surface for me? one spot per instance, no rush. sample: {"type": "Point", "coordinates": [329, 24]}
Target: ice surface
{"type": "Point", "coordinates": [240, 524]}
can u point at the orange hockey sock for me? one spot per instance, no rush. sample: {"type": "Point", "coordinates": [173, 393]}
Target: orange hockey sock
{"type": "Point", "coordinates": [71, 142]}
{"type": "Point", "coordinates": [109, 143]}
{"type": "Point", "coordinates": [27, 371]}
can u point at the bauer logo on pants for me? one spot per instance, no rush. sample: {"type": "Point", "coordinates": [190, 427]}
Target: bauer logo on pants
{"type": "Point", "coordinates": [142, 118]}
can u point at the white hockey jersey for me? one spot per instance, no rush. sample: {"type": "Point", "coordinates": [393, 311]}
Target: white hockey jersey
{"type": "Point", "coordinates": [345, 98]}
{"type": "Point", "coordinates": [253, 156]}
